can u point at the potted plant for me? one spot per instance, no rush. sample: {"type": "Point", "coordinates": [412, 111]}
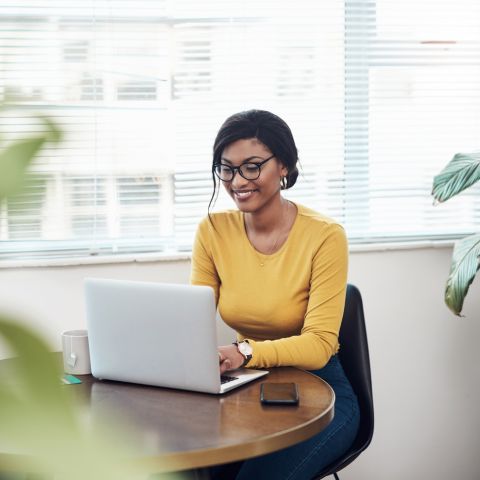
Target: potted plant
{"type": "Point", "coordinates": [459, 174]}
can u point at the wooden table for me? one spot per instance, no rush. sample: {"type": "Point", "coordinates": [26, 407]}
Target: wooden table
{"type": "Point", "coordinates": [178, 430]}
{"type": "Point", "coordinates": [175, 430]}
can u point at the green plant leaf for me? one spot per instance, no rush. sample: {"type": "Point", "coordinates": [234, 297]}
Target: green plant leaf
{"type": "Point", "coordinates": [462, 272]}
{"type": "Point", "coordinates": [460, 173]}
{"type": "Point", "coordinates": [21, 201]}
{"type": "Point", "coordinates": [40, 421]}
{"type": "Point", "coordinates": [53, 132]}
{"type": "Point", "coordinates": [36, 367]}
{"type": "Point", "coordinates": [31, 396]}
{"type": "Point", "coordinates": [14, 161]}
{"type": "Point", "coordinates": [18, 156]}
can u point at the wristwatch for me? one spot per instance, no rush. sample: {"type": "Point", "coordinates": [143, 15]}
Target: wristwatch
{"type": "Point", "coordinates": [246, 350]}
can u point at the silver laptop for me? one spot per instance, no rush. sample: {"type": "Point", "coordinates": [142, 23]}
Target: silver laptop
{"type": "Point", "coordinates": [157, 334]}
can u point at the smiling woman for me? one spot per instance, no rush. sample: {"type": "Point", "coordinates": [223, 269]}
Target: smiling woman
{"type": "Point", "coordinates": [279, 273]}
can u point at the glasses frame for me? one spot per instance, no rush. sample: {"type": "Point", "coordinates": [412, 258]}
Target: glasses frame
{"type": "Point", "coordinates": [234, 170]}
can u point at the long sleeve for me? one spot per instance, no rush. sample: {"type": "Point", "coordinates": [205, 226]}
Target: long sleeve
{"type": "Point", "coordinates": [203, 271]}
{"type": "Point", "coordinates": [318, 339]}
{"type": "Point", "coordinates": [289, 304]}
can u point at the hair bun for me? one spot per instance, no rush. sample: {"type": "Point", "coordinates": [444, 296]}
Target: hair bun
{"type": "Point", "coordinates": [290, 179]}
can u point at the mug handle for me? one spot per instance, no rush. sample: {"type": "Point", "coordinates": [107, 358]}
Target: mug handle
{"type": "Point", "coordinates": [72, 360]}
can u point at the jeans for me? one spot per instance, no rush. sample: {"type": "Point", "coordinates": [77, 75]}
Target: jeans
{"type": "Point", "coordinates": [303, 460]}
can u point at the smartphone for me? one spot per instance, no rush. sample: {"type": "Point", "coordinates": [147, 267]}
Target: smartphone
{"type": "Point", "coordinates": [279, 393]}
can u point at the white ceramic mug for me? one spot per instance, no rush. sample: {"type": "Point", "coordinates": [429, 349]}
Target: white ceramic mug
{"type": "Point", "coordinates": [76, 355]}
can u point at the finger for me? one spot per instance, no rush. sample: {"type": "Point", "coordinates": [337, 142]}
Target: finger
{"type": "Point", "coordinates": [225, 365]}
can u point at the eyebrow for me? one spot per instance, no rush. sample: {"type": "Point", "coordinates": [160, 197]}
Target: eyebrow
{"type": "Point", "coordinates": [249, 159]}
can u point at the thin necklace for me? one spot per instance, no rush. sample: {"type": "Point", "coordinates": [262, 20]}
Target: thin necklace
{"type": "Point", "coordinates": [263, 256]}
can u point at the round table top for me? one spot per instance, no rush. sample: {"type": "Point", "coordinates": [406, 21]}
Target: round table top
{"type": "Point", "coordinates": [173, 430]}
{"type": "Point", "coordinates": [177, 430]}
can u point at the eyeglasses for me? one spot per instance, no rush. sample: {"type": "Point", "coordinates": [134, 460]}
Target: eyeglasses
{"type": "Point", "coordinates": [249, 170]}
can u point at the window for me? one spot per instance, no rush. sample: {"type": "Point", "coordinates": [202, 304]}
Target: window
{"type": "Point", "coordinates": [91, 89]}
{"type": "Point", "coordinates": [75, 51]}
{"type": "Point", "coordinates": [140, 203]}
{"type": "Point", "coordinates": [193, 62]}
{"type": "Point", "coordinates": [137, 90]}
{"type": "Point", "coordinates": [138, 191]}
{"type": "Point", "coordinates": [87, 226]}
{"type": "Point", "coordinates": [25, 211]}
{"type": "Point", "coordinates": [379, 96]}
{"type": "Point", "coordinates": [87, 201]}
{"type": "Point", "coordinates": [87, 191]}
{"type": "Point", "coordinates": [412, 73]}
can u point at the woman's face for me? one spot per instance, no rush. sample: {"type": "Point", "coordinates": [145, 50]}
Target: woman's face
{"type": "Point", "coordinates": [252, 195]}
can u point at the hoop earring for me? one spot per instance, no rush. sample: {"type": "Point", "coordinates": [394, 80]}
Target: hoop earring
{"type": "Point", "coordinates": [283, 183]}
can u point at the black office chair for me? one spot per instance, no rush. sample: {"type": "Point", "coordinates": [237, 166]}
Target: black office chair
{"type": "Point", "coordinates": [356, 363]}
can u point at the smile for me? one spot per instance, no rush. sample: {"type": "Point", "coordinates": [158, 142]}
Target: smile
{"type": "Point", "coordinates": [243, 194]}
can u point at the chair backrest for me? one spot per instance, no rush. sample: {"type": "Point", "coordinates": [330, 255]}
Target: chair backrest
{"type": "Point", "coordinates": [355, 360]}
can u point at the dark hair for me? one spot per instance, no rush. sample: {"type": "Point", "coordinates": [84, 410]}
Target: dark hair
{"type": "Point", "coordinates": [267, 128]}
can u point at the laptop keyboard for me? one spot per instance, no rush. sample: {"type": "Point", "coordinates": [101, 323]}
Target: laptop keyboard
{"type": "Point", "coordinates": [226, 379]}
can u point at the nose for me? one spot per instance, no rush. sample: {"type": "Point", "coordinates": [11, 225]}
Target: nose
{"type": "Point", "coordinates": [238, 181]}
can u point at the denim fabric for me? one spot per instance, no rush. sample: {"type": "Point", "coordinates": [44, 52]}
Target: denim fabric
{"type": "Point", "coordinates": [302, 461]}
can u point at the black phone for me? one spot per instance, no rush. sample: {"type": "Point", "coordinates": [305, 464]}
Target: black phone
{"type": "Point", "coordinates": [279, 393]}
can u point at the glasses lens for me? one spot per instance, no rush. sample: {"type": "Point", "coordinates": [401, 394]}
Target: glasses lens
{"type": "Point", "coordinates": [224, 172]}
{"type": "Point", "coordinates": [250, 171]}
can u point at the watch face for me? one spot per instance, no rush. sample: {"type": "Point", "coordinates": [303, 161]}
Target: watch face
{"type": "Point", "coordinates": [245, 348]}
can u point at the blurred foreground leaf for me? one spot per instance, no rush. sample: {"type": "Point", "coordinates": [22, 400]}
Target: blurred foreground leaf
{"type": "Point", "coordinates": [39, 420]}
{"type": "Point", "coordinates": [16, 157]}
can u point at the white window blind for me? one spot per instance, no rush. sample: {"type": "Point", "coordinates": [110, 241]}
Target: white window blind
{"type": "Point", "coordinates": [379, 96]}
{"type": "Point", "coordinates": [412, 77]}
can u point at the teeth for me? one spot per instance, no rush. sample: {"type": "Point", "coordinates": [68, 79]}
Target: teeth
{"type": "Point", "coordinates": [243, 194]}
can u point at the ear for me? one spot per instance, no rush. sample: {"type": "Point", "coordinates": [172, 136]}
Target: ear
{"type": "Point", "coordinates": [283, 170]}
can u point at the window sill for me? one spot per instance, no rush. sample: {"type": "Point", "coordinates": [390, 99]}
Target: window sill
{"type": "Point", "coordinates": [184, 257]}
{"type": "Point", "coordinates": [96, 260]}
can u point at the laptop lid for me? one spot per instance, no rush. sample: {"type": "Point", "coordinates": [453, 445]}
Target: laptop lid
{"type": "Point", "coordinates": [155, 334]}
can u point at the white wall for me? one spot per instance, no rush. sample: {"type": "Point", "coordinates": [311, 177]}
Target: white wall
{"type": "Point", "coordinates": [425, 361]}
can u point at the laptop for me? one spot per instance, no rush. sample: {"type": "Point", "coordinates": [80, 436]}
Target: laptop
{"type": "Point", "coordinates": [157, 334]}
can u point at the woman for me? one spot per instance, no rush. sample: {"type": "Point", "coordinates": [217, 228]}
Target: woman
{"type": "Point", "coordinates": [279, 273]}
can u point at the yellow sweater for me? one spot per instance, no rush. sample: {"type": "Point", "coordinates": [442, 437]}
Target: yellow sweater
{"type": "Point", "coordinates": [290, 309]}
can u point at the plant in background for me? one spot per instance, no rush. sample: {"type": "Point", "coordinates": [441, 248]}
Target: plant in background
{"type": "Point", "coordinates": [38, 419]}
{"type": "Point", "coordinates": [460, 173]}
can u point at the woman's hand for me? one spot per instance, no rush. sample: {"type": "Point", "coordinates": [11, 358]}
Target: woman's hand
{"type": "Point", "coordinates": [229, 358]}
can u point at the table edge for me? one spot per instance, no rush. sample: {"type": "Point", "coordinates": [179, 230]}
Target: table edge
{"type": "Point", "coordinates": [235, 452]}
